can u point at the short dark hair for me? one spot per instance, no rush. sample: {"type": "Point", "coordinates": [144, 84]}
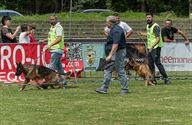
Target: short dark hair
{"type": "Point", "coordinates": [5, 18]}
{"type": "Point", "coordinates": [32, 26]}
{"type": "Point", "coordinates": [24, 27]}
{"type": "Point", "coordinates": [147, 14]}
{"type": "Point", "coordinates": [169, 20]}
{"type": "Point", "coordinates": [115, 14]}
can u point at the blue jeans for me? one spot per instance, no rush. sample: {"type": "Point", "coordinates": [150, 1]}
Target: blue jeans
{"type": "Point", "coordinates": [119, 58]}
{"type": "Point", "coordinates": [55, 64]}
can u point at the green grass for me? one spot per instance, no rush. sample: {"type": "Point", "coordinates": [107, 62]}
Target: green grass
{"type": "Point", "coordinates": [81, 105]}
{"type": "Point", "coordinates": [65, 16]}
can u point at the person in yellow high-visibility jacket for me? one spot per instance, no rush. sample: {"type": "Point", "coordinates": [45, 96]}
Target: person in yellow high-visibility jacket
{"type": "Point", "coordinates": [56, 46]}
{"type": "Point", "coordinates": [154, 45]}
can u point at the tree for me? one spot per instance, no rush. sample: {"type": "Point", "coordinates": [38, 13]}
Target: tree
{"type": "Point", "coordinates": [190, 9]}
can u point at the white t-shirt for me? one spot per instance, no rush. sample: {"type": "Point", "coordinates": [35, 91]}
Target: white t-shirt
{"type": "Point", "coordinates": [126, 28]}
{"type": "Point", "coordinates": [24, 37]}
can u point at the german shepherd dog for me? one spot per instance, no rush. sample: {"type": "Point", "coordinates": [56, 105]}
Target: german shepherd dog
{"type": "Point", "coordinates": [142, 69]}
{"type": "Point", "coordinates": [36, 73]}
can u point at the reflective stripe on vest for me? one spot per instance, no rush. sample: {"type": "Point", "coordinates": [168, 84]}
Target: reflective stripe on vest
{"type": "Point", "coordinates": [151, 37]}
{"type": "Point", "coordinates": [52, 36]}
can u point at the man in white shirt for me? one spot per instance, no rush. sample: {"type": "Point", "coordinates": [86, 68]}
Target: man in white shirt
{"type": "Point", "coordinates": [126, 28]}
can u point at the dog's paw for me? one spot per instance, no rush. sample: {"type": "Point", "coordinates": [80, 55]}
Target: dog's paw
{"type": "Point", "coordinates": [20, 90]}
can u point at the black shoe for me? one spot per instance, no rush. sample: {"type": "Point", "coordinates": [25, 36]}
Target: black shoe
{"type": "Point", "coordinates": [167, 81]}
{"type": "Point", "coordinates": [101, 90]}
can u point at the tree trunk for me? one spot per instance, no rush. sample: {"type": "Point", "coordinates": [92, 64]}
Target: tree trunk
{"type": "Point", "coordinates": [37, 6]}
{"type": "Point", "coordinates": [61, 5]}
{"type": "Point", "coordinates": [190, 9]}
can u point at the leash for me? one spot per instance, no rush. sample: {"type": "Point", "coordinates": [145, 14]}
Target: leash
{"type": "Point", "coordinates": [145, 42]}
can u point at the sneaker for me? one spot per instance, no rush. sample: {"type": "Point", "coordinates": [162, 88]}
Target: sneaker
{"type": "Point", "coordinates": [101, 90]}
{"type": "Point", "coordinates": [124, 91]}
{"type": "Point", "coordinates": [167, 81]}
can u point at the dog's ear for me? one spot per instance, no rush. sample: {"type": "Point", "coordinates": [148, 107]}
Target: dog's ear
{"type": "Point", "coordinates": [132, 61]}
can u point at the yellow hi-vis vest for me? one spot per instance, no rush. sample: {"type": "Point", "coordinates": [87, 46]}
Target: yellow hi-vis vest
{"type": "Point", "coordinates": [52, 36]}
{"type": "Point", "coordinates": [151, 37]}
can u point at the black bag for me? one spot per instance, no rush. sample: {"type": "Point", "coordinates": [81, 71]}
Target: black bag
{"type": "Point", "coordinates": [103, 64]}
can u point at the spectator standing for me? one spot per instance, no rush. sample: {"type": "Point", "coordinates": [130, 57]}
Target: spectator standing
{"type": "Point", "coordinates": [7, 35]}
{"type": "Point", "coordinates": [126, 28]}
{"type": "Point", "coordinates": [24, 35]}
{"type": "Point", "coordinates": [32, 28]}
{"type": "Point", "coordinates": [168, 32]}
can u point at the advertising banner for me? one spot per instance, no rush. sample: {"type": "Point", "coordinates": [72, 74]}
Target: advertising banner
{"type": "Point", "coordinates": [30, 54]}
{"type": "Point", "coordinates": [91, 54]}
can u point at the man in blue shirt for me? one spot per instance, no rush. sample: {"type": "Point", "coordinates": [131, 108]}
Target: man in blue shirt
{"type": "Point", "coordinates": [115, 50]}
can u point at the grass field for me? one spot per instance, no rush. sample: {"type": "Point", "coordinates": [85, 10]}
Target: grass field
{"type": "Point", "coordinates": [81, 105]}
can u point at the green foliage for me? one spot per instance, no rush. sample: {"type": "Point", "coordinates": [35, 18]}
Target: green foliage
{"type": "Point", "coordinates": [28, 7]}
{"type": "Point", "coordinates": [65, 16]}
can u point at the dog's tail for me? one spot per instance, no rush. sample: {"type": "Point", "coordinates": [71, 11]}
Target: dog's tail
{"type": "Point", "coordinates": [65, 73]}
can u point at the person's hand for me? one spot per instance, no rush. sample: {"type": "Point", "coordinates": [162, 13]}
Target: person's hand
{"type": "Point", "coordinates": [174, 40]}
{"type": "Point", "coordinates": [138, 33]}
{"type": "Point", "coordinates": [18, 28]}
{"type": "Point", "coordinates": [108, 58]}
{"type": "Point", "coordinates": [48, 47]}
{"type": "Point", "coordinates": [150, 50]}
{"type": "Point", "coordinates": [40, 41]}
{"type": "Point", "coordinates": [186, 42]}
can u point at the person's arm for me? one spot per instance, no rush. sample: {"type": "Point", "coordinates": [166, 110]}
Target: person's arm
{"type": "Point", "coordinates": [28, 32]}
{"type": "Point", "coordinates": [43, 41]}
{"type": "Point", "coordinates": [113, 51]}
{"type": "Point", "coordinates": [128, 30]}
{"type": "Point", "coordinates": [129, 34]}
{"type": "Point", "coordinates": [184, 36]}
{"type": "Point", "coordinates": [165, 39]}
{"type": "Point", "coordinates": [12, 36]}
{"type": "Point", "coordinates": [141, 33]}
{"type": "Point", "coordinates": [58, 39]}
{"type": "Point", "coordinates": [106, 31]}
{"type": "Point", "coordinates": [157, 32]}
{"type": "Point", "coordinates": [157, 40]}
{"type": "Point", "coordinates": [116, 40]}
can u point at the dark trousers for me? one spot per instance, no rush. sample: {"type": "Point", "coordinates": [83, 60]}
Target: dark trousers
{"type": "Point", "coordinates": [154, 59]}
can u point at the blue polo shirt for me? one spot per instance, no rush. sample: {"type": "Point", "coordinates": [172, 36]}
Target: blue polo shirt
{"type": "Point", "coordinates": [116, 36]}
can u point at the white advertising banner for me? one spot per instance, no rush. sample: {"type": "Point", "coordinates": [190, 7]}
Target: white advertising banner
{"type": "Point", "coordinates": [177, 56]}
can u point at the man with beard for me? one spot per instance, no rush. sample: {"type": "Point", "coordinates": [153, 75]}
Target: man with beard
{"type": "Point", "coordinates": [56, 46]}
{"type": "Point", "coordinates": [154, 45]}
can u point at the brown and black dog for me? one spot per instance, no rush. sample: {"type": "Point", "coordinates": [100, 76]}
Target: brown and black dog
{"type": "Point", "coordinates": [142, 69]}
{"type": "Point", "coordinates": [36, 73]}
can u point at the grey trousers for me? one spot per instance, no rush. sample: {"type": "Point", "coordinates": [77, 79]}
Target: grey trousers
{"type": "Point", "coordinates": [119, 58]}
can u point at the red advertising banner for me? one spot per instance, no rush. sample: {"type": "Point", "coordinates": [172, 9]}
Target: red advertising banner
{"type": "Point", "coordinates": [30, 54]}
